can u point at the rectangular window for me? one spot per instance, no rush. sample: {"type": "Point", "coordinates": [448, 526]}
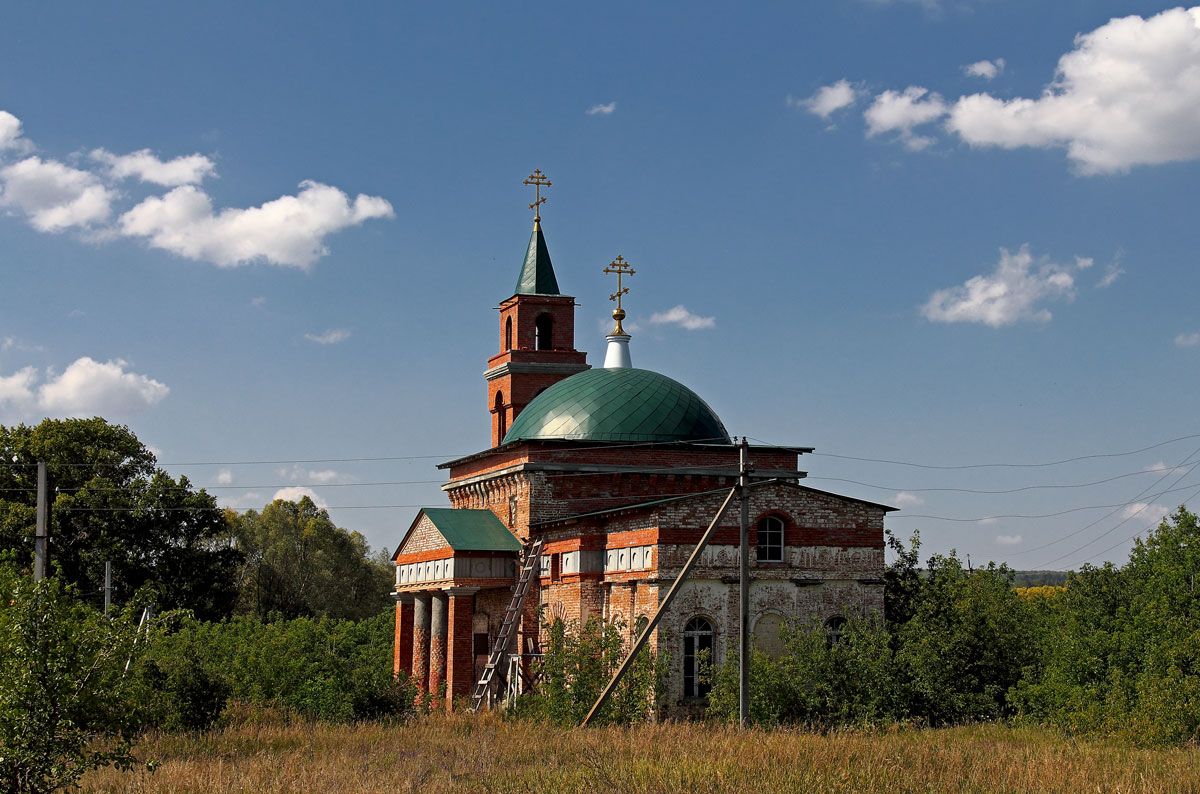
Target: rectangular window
{"type": "Point", "coordinates": [770, 540]}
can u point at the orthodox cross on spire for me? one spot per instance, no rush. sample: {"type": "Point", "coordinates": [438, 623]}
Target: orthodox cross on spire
{"type": "Point", "coordinates": [539, 181]}
{"type": "Point", "coordinates": [621, 268]}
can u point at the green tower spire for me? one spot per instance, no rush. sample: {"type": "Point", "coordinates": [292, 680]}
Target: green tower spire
{"type": "Point", "coordinates": [537, 271]}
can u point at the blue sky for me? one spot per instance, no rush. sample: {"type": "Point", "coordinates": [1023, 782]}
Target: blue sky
{"type": "Point", "coordinates": [906, 265]}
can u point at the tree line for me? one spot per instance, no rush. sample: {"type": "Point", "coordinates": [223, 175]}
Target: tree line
{"type": "Point", "coordinates": [168, 541]}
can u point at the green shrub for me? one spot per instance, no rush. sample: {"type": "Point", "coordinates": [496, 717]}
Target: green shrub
{"type": "Point", "coordinates": [578, 663]}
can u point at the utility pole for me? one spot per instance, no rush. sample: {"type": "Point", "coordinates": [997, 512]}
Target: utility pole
{"type": "Point", "coordinates": [41, 540]}
{"type": "Point", "coordinates": [107, 586]}
{"type": "Point", "coordinates": [744, 585]}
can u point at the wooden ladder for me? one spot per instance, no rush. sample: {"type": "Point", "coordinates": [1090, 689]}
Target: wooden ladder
{"type": "Point", "coordinates": [530, 558]}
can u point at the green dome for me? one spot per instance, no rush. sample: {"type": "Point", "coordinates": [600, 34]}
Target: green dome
{"type": "Point", "coordinates": [618, 405]}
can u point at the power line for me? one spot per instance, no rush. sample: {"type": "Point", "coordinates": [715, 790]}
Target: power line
{"type": "Point", "coordinates": [1123, 521]}
{"type": "Point", "coordinates": [992, 465]}
{"type": "Point", "coordinates": [1041, 515]}
{"type": "Point", "coordinates": [1144, 529]}
{"type": "Point", "coordinates": [1106, 516]}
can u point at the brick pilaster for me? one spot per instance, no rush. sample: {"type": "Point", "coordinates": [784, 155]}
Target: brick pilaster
{"type": "Point", "coordinates": [404, 635]}
{"type": "Point", "coordinates": [460, 656]}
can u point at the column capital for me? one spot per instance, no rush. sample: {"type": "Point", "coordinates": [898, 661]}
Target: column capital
{"type": "Point", "coordinates": [402, 598]}
{"type": "Point", "coordinates": [460, 591]}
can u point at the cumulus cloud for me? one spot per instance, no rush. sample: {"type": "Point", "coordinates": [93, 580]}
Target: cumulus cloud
{"type": "Point", "coordinates": [987, 70]}
{"type": "Point", "coordinates": [88, 387]}
{"type": "Point", "coordinates": [54, 197]}
{"type": "Point", "coordinates": [828, 99]}
{"type": "Point", "coordinates": [331, 337]}
{"type": "Point", "coordinates": [681, 316]}
{"type": "Point", "coordinates": [907, 499]}
{"type": "Point", "coordinates": [11, 138]}
{"type": "Point", "coordinates": [1188, 340]}
{"type": "Point", "coordinates": [85, 388]}
{"type": "Point", "coordinates": [1008, 540]}
{"type": "Point", "coordinates": [145, 166]}
{"type": "Point", "coordinates": [258, 302]}
{"type": "Point", "coordinates": [1127, 94]}
{"type": "Point", "coordinates": [224, 477]}
{"type": "Point", "coordinates": [902, 112]}
{"type": "Point", "coordinates": [289, 231]}
{"type": "Point", "coordinates": [16, 390]}
{"type": "Point", "coordinates": [294, 493]}
{"type": "Point", "coordinates": [602, 110]}
{"type": "Point", "coordinates": [1013, 292]}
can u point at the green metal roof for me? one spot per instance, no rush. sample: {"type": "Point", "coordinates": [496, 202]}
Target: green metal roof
{"type": "Point", "coordinates": [618, 405]}
{"type": "Point", "coordinates": [472, 530]}
{"type": "Point", "coordinates": [537, 271]}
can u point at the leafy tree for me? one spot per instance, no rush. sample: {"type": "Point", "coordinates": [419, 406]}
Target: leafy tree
{"type": "Point", "coordinates": [111, 502]}
{"type": "Point", "coordinates": [966, 644]}
{"type": "Point", "coordinates": [66, 704]}
{"type": "Point", "coordinates": [299, 563]}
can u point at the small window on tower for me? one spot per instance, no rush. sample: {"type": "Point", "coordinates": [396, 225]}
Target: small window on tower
{"type": "Point", "coordinates": [508, 333]}
{"type": "Point", "coordinates": [543, 333]}
{"type": "Point", "coordinates": [501, 420]}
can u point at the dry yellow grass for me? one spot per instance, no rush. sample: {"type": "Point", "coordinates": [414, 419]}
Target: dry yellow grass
{"type": "Point", "coordinates": [486, 754]}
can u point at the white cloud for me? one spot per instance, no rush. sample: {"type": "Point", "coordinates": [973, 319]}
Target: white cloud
{"type": "Point", "coordinates": [902, 112]}
{"type": "Point", "coordinates": [16, 390]}
{"type": "Point", "coordinates": [681, 316]}
{"type": "Point", "coordinates": [11, 138]}
{"type": "Point", "coordinates": [602, 110]}
{"type": "Point", "coordinates": [144, 165]}
{"type": "Point", "coordinates": [1013, 292]}
{"type": "Point", "coordinates": [987, 70]}
{"type": "Point", "coordinates": [828, 99]}
{"type": "Point", "coordinates": [224, 477]}
{"type": "Point", "coordinates": [1188, 340]}
{"type": "Point", "coordinates": [318, 476]}
{"type": "Point", "coordinates": [1128, 94]}
{"type": "Point", "coordinates": [294, 493]}
{"type": "Point", "coordinates": [85, 388]}
{"type": "Point", "coordinates": [289, 231]}
{"type": "Point", "coordinates": [241, 501]}
{"type": "Point", "coordinates": [906, 499]}
{"type": "Point", "coordinates": [331, 337]}
{"type": "Point", "coordinates": [1145, 513]}
{"type": "Point", "coordinates": [1008, 540]}
{"type": "Point", "coordinates": [7, 343]}
{"type": "Point", "coordinates": [54, 197]}
{"type": "Point", "coordinates": [88, 387]}
{"type": "Point", "coordinates": [258, 302]}
{"type": "Point", "coordinates": [1111, 273]}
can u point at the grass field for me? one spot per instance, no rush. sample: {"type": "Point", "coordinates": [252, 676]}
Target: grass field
{"type": "Point", "coordinates": [464, 754]}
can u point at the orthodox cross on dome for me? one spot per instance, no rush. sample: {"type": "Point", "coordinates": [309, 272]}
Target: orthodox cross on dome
{"type": "Point", "coordinates": [539, 181]}
{"type": "Point", "coordinates": [621, 268]}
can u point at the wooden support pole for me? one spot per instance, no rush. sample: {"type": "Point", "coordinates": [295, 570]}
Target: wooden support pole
{"type": "Point", "coordinates": [744, 587]}
{"type": "Point", "coordinates": [662, 608]}
{"type": "Point", "coordinates": [41, 539]}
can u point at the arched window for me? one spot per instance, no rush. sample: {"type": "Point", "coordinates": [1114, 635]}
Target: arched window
{"type": "Point", "coordinates": [768, 634]}
{"type": "Point", "coordinates": [543, 332]}
{"type": "Point", "coordinates": [697, 656]}
{"type": "Point", "coordinates": [508, 333]}
{"type": "Point", "coordinates": [502, 422]}
{"type": "Point", "coordinates": [834, 628]}
{"type": "Point", "coordinates": [770, 539]}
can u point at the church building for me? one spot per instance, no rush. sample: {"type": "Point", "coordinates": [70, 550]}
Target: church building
{"type": "Point", "coordinates": [601, 480]}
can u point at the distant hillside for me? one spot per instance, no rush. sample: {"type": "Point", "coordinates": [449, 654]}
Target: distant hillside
{"type": "Point", "coordinates": [1036, 578]}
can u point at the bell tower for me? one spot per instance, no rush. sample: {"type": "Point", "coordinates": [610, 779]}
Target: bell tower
{"type": "Point", "coordinates": [537, 331]}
